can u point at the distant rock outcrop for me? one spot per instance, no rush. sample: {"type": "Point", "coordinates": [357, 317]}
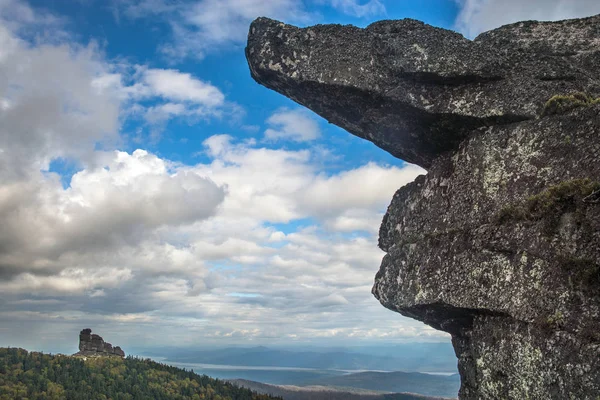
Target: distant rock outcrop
{"type": "Point", "coordinates": [93, 345]}
{"type": "Point", "coordinates": [499, 244]}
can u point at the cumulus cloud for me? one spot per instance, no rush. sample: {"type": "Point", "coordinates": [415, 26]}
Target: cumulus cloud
{"type": "Point", "coordinates": [235, 271]}
{"type": "Point", "coordinates": [78, 100]}
{"type": "Point", "coordinates": [120, 202]}
{"type": "Point", "coordinates": [268, 278]}
{"type": "Point", "coordinates": [140, 188]}
{"type": "Point", "coordinates": [60, 101]}
{"type": "Point", "coordinates": [297, 125]}
{"type": "Point", "coordinates": [478, 16]}
{"type": "Point", "coordinates": [277, 185]}
{"type": "Point", "coordinates": [241, 246]}
{"type": "Point", "coordinates": [160, 95]}
{"type": "Point", "coordinates": [52, 83]}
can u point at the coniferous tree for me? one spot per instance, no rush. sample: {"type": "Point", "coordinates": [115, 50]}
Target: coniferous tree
{"type": "Point", "coordinates": [37, 376]}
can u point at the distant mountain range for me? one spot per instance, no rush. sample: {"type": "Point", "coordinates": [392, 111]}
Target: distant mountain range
{"type": "Point", "coordinates": [413, 382]}
{"type": "Point", "coordinates": [422, 357]}
{"type": "Point", "coordinates": [337, 372]}
{"type": "Point", "coordinates": [325, 393]}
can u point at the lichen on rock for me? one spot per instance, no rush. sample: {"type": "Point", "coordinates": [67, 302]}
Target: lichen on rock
{"type": "Point", "coordinates": [499, 244]}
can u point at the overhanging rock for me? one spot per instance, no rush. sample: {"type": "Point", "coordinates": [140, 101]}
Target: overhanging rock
{"type": "Point", "coordinates": [499, 244]}
{"type": "Point", "coordinates": [417, 91]}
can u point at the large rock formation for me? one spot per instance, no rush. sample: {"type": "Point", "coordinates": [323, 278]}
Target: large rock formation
{"type": "Point", "coordinates": [93, 345]}
{"type": "Point", "coordinates": [499, 244]}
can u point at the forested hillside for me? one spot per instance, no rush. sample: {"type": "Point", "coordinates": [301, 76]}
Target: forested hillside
{"type": "Point", "coordinates": [32, 375]}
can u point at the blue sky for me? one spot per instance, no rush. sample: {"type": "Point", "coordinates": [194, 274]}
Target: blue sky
{"type": "Point", "coordinates": [151, 190]}
{"type": "Point", "coordinates": [123, 35]}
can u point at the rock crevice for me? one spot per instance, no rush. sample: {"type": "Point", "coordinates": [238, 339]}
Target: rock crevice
{"type": "Point", "coordinates": [499, 244]}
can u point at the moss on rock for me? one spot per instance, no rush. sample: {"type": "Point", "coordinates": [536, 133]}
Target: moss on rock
{"type": "Point", "coordinates": [560, 104]}
{"type": "Point", "coordinates": [550, 203]}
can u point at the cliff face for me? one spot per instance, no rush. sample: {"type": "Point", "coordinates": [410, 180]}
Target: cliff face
{"type": "Point", "coordinates": [91, 344]}
{"type": "Point", "coordinates": [499, 244]}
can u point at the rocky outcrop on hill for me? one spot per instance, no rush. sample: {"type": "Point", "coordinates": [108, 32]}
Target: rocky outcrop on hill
{"type": "Point", "coordinates": [93, 345]}
{"type": "Point", "coordinates": [499, 244]}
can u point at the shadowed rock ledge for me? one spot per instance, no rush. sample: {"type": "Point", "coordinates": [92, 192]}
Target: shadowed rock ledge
{"type": "Point", "coordinates": [499, 244]}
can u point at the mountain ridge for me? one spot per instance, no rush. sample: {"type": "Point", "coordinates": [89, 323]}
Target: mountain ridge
{"type": "Point", "coordinates": [35, 375]}
{"type": "Point", "coordinates": [420, 358]}
{"type": "Point", "coordinates": [290, 392]}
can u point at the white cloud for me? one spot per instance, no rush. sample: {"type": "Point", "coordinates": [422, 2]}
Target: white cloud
{"type": "Point", "coordinates": [118, 203]}
{"type": "Point", "coordinates": [137, 239]}
{"type": "Point", "coordinates": [159, 95]}
{"type": "Point", "coordinates": [206, 26]}
{"type": "Point", "coordinates": [358, 8]}
{"type": "Point", "coordinates": [355, 220]}
{"type": "Point", "coordinates": [223, 21]}
{"type": "Point", "coordinates": [145, 188]}
{"type": "Point", "coordinates": [201, 27]}
{"type": "Point", "coordinates": [108, 82]}
{"type": "Point", "coordinates": [261, 182]}
{"type": "Point", "coordinates": [218, 144]}
{"type": "Point", "coordinates": [164, 112]}
{"type": "Point", "coordinates": [282, 185]}
{"type": "Point", "coordinates": [297, 125]}
{"type": "Point", "coordinates": [60, 100]}
{"type": "Point", "coordinates": [210, 24]}
{"type": "Point", "coordinates": [370, 186]}
{"type": "Point", "coordinates": [79, 99]}
{"type": "Point", "coordinates": [477, 16]}
{"type": "Point", "coordinates": [138, 9]}
{"type": "Point", "coordinates": [68, 282]}
{"type": "Point", "coordinates": [183, 96]}
{"type": "Point", "coordinates": [54, 84]}
{"type": "Point", "coordinates": [147, 222]}
{"type": "Point", "coordinates": [175, 85]}
{"type": "Point", "coordinates": [18, 16]}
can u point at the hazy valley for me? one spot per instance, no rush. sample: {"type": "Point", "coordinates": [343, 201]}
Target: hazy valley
{"type": "Point", "coordinates": [420, 368]}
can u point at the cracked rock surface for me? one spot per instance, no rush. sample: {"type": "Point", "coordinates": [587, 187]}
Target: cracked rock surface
{"type": "Point", "coordinates": [499, 244]}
